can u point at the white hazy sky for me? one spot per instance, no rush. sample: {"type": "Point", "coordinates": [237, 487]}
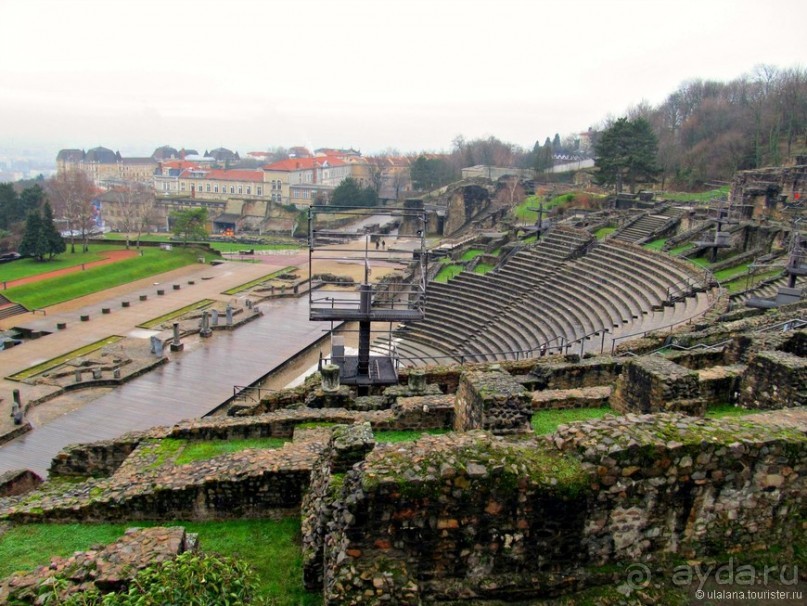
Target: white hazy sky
{"type": "Point", "coordinates": [371, 74]}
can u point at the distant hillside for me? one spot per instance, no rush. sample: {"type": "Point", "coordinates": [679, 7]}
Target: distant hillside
{"type": "Point", "coordinates": [708, 130]}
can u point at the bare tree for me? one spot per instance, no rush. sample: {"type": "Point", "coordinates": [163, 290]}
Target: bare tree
{"type": "Point", "coordinates": [136, 209]}
{"type": "Point", "coordinates": [71, 193]}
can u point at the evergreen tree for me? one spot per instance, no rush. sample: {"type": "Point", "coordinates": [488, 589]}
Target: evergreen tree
{"type": "Point", "coordinates": [34, 241]}
{"type": "Point", "coordinates": [626, 152]}
{"type": "Point", "coordinates": [350, 193]}
{"type": "Point", "coordinates": [56, 243]}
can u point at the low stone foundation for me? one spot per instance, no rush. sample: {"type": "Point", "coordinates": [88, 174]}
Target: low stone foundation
{"type": "Point", "coordinates": [494, 401]}
{"type": "Point", "coordinates": [655, 384]}
{"type": "Point", "coordinates": [560, 399]}
{"type": "Point", "coordinates": [108, 569]}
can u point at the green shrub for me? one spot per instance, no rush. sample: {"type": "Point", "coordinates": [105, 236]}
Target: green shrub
{"type": "Point", "coordinates": [190, 579]}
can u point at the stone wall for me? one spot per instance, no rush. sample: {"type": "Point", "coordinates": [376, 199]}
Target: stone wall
{"type": "Point", "coordinates": [18, 481]}
{"type": "Point", "coordinates": [589, 372]}
{"type": "Point", "coordinates": [494, 401]}
{"type": "Point", "coordinates": [655, 384]}
{"type": "Point", "coordinates": [769, 189]}
{"type": "Point", "coordinates": [473, 517]}
{"type": "Point", "coordinates": [103, 458]}
{"type": "Point", "coordinates": [774, 379]}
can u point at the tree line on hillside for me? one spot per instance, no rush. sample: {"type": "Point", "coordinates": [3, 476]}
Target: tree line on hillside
{"type": "Point", "coordinates": [708, 130]}
{"type": "Point", "coordinates": [704, 130]}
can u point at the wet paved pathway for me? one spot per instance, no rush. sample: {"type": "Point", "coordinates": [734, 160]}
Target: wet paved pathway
{"type": "Point", "coordinates": [193, 383]}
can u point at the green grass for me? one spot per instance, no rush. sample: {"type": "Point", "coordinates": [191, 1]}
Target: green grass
{"type": "Point", "coordinates": [471, 253]}
{"type": "Point", "coordinates": [219, 246]}
{"type": "Point", "coordinates": [54, 362]}
{"type": "Point", "coordinates": [406, 436]}
{"type": "Point", "coordinates": [705, 196]}
{"type": "Point", "coordinates": [447, 272]}
{"type": "Point", "coordinates": [731, 272]}
{"type": "Point", "coordinates": [604, 231]}
{"type": "Point", "coordinates": [271, 547]}
{"type": "Point", "coordinates": [720, 411]}
{"type": "Point", "coordinates": [740, 283]}
{"type": "Point", "coordinates": [523, 212]}
{"type": "Point", "coordinates": [247, 285]}
{"type": "Point", "coordinates": [483, 268]}
{"type": "Point", "coordinates": [547, 421]}
{"type": "Point", "coordinates": [234, 247]}
{"type": "Point", "coordinates": [64, 288]}
{"type": "Point", "coordinates": [153, 323]}
{"type": "Point", "coordinates": [119, 237]}
{"type": "Point", "coordinates": [700, 261]}
{"type": "Point", "coordinates": [656, 244]}
{"type": "Point", "coordinates": [29, 267]}
{"type": "Point", "coordinates": [679, 249]}
{"type": "Point", "coordinates": [203, 450]}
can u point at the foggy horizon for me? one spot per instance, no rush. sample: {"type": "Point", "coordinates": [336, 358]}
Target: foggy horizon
{"type": "Point", "coordinates": [247, 75]}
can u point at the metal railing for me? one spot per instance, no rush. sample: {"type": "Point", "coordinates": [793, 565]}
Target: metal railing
{"type": "Point", "coordinates": [250, 395]}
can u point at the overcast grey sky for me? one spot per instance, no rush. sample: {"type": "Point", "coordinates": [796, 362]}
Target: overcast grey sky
{"type": "Point", "coordinates": [371, 74]}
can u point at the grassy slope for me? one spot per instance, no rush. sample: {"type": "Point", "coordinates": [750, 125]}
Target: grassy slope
{"type": "Point", "coordinates": [220, 246]}
{"type": "Point", "coordinates": [56, 290]}
{"type": "Point", "coordinates": [28, 267]}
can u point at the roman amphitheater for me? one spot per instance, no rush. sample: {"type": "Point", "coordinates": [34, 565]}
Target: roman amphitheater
{"type": "Point", "coordinates": [675, 329]}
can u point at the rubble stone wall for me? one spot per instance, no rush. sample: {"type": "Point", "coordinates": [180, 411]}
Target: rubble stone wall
{"type": "Point", "coordinates": [655, 384]}
{"type": "Point", "coordinates": [494, 401]}
{"type": "Point", "coordinates": [473, 517]}
{"type": "Point", "coordinates": [774, 379]}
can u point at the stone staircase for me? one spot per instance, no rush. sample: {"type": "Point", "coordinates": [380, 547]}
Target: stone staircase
{"type": "Point", "coordinates": [647, 226]}
{"type": "Point", "coordinates": [767, 290]}
{"type": "Point", "coordinates": [8, 308]}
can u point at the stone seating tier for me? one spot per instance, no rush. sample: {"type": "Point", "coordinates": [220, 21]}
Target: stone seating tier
{"type": "Point", "coordinates": [667, 275]}
{"type": "Point", "coordinates": [651, 274]}
{"type": "Point", "coordinates": [623, 278]}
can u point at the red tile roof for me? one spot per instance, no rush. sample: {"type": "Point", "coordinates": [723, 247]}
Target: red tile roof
{"type": "Point", "coordinates": [303, 163]}
{"type": "Point", "coordinates": [225, 175]}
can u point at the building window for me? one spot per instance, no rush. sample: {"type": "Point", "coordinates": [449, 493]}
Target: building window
{"type": "Point", "coordinates": [208, 187]}
{"type": "Point", "coordinates": [182, 187]}
{"type": "Point", "coordinates": [249, 190]}
{"type": "Point", "coordinates": [216, 188]}
{"type": "Point", "coordinates": [232, 189]}
{"type": "Point", "coordinates": [240, 189]}
{"type": "Point", "coordinates": [259, 190]}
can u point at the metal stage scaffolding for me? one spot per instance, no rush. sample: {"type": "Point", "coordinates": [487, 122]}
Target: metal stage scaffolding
{"type": "Point", "coordinates": [374, 238]}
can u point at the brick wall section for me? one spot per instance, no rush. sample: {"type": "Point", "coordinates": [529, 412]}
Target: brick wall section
{"type": "Point", "coordinates": [473, 517]}
{"type": "Point", "coordinates": [494, 401]}
{"type": "Point", "coordinates": [655, 384]}
{"type": "Point", "coordinates": [774, 379]}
